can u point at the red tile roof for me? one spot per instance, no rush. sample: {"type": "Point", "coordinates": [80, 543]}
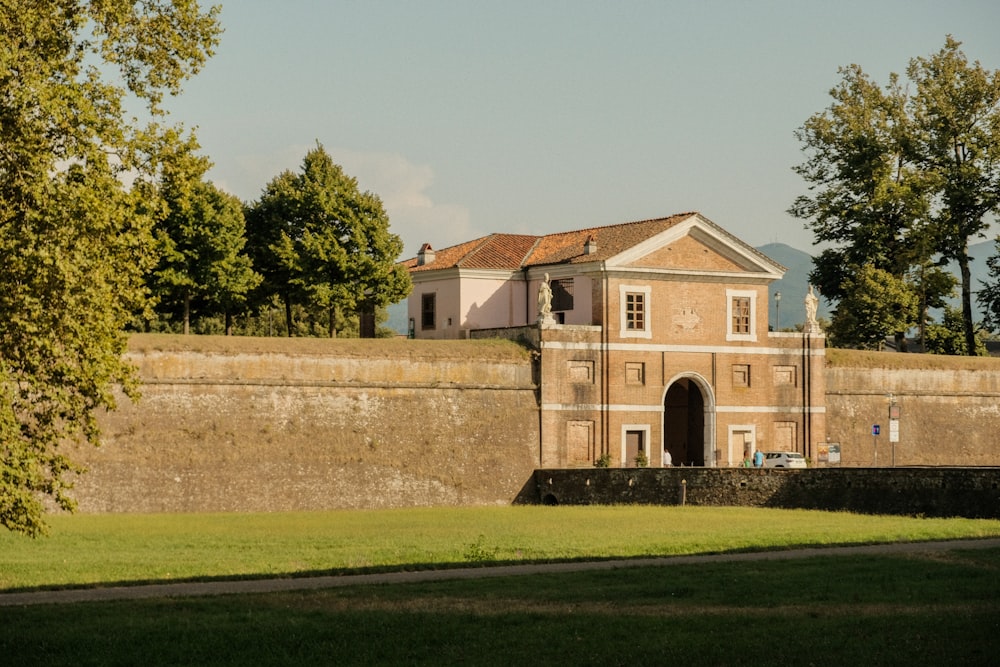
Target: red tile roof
{"type": "Point", "coordinates": [517, 251]}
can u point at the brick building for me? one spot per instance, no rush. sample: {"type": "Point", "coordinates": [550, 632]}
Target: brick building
{"type": "Point", "coordinates": [653, 338]}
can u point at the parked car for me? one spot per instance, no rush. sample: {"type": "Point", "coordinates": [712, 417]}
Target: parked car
{"type": "Point", "coordinates": [784, 460]}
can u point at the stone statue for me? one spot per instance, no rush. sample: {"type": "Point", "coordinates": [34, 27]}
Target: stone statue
{"type": "Point", "coordinates": [812, 302]}
{"type": "Point", "coordinates": [545, 301]}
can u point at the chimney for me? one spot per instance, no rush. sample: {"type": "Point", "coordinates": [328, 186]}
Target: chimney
{"type": "Point", "coordinates": [426, 254]}
{"type": "Point", "coordinates": [590, 247]}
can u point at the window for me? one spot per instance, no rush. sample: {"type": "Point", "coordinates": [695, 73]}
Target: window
{"type": "Point", "coordinates": [741, 315]}
{"type": "Point", "coordinates": [562, 294]}
{"type": "Point", "coordinates": [428, 304]}
{"type": "Point", "coordinates": [741, 312]}
{"type": "Point", "coordinates": [635, 311]}
{"type": "Point", "coordinates": [634, 304]}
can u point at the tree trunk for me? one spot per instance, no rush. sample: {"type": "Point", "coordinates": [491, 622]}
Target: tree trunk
{"type": "Point", "coordinates": [229, 323]}
{"type": "Point", "coordinates": [970, 332]}
{"type": "Point", "coordinates": [333, 321]}
{"type": "Point", "coordinates": [187, 314]}
{"type": "Point", "coordinates": [288, 314]}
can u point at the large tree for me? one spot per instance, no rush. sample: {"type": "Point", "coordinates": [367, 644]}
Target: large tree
{"type": "Point", "coordinates": [322, 242]}
{"type": "Point", "coordinates": [956, 112]}
{"type": "Point", "coordinates": [74, 243]}
{"type": "Point", "coordinates": [893, 182]}
{"type": "Point", "coordinates": [200, 241]}
{"type": "Point", "coordinates": [866, 194]}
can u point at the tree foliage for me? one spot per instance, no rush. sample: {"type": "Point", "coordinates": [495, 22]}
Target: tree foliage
{"type": "Point", "coordinates": [956, 108]}
{"type": "Point", "coordinates": [867, 193]}
{"type": "Point", "coordinates": [875, 305]}
{"type": "Point", "coordinates": [75, 242]}
{"type": "Point", "coordinates": [321, 242]}
{"type": "Point", "coordinates": [989, 294]}
{"type": "Point", "coordinates": [200, 240]}
{"type": "Point", "coordinates": [901, 178]}
{"type": "Point", "coordinates": [948, 337]}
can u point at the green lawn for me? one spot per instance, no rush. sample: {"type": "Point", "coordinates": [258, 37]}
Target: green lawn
{"type": "Point", "coordinates": [922, 609]}
{"type": "Point", "coordinates": [101, 549]}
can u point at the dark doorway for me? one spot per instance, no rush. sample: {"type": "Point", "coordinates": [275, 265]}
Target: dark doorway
{"type": "Point", "coordinates": [684, 423]}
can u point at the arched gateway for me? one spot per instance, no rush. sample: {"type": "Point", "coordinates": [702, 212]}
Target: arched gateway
{"type": "Point", "coordinates": [689, 420]}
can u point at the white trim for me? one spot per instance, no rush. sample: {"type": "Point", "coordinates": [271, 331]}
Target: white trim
{"type": "Point", "coordinates": [729, 409]}
{"type": "Point", "coordinates": [733, 294]}
{"type": "Point", "coordinates": [647, 308]}
{"type": "Point", "coordinates": [614, 407]}
{"type": "Point", "coordinates": [767, 409]}
{"type": "Point", "coordinates": [652, 347]}
{"type": "Point", "coordinates": [645, 428]}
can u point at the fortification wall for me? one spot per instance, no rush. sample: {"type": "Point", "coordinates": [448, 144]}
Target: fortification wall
{"type": "Point", "coordinates": [324, 427]}
{"type": "Point", "coordinates": [947, 416]}
{"type": "Point", "coordinates": [271, 424]}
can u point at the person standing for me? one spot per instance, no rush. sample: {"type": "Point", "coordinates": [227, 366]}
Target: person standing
{"type": "Point", "coordinates": [668, 461]}
{"type": "Point", "coordinates": [758, 459]}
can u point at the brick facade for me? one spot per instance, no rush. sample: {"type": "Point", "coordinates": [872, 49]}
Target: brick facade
{"type": "Point", "coordinates": [657, 341]}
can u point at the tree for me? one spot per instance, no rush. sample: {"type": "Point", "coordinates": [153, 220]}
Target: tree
{"type": "Point", "coordinates": [902, 180]}
{"type": "Point", "coordinates": [956, 111]}
{"type": "Point", "coordinates": [320, 241]}
{"type": "Point", "coordinates": [948, 337]}
{"type": "Point", "coordinates": [201, 241]}
{"type": "Point", "coordinates": [874, 305]}
{"type": "Point", "coordinates": [868, 195]}
{"type": "Point", "coordinates": [75, 242]}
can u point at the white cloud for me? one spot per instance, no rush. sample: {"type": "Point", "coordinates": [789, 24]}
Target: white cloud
{"type": "Point", "coordinates": [402, 186]}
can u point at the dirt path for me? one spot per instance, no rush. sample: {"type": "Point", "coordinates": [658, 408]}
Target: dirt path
{"type": "Point", "coordinates": [195, 589]}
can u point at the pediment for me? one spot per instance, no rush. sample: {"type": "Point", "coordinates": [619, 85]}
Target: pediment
{"type": "Point", "coordinates": [698, 246]}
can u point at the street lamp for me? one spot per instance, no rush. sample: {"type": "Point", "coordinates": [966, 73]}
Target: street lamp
{"type": "Point", "coordinates": [777, 311]}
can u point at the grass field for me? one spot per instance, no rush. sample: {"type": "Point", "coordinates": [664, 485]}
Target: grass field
{"type": "Point", "coordinates": [87, 550]}
{"type": "Point", "coordinates": [876, 610]}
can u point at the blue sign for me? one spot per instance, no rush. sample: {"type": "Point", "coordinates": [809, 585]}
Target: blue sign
{"type": "Point", "coordinates": [875, 429]}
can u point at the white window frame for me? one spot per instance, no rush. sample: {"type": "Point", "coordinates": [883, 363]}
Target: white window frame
{"type": "Point", "coordinates": [647, 292]}
{"type": "Point", "coordinates": [730, 334]}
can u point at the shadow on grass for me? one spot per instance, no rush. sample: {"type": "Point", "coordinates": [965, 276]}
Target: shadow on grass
{"type": "Point", "coordinates": [475, 561]}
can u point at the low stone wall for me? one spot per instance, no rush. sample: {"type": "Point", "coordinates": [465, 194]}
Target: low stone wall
{"type": "Point", "coordinates": [937, 492]}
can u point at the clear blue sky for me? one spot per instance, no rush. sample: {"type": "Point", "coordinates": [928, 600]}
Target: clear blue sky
{"type": "Point", "coordinates": [471, 117]}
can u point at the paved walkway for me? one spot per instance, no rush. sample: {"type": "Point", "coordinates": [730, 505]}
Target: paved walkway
{"type": "Point", "coordinates": [195, 589]}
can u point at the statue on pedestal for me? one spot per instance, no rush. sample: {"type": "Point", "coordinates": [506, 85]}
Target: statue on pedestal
{"type": "Point", "coordinates": [545, 302]}
{"type": "Point", "coordinates": [812, 303]}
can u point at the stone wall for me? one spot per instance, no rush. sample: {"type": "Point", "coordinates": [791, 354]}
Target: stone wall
{"type": "Point", "coordinates": [264, 430]}
{"type": "Point", "coordinates": [271, 424]}
{"type": "Point", "coordinates": [938, 492]}
{"type": "Point", "coordinates": [947, 416]}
